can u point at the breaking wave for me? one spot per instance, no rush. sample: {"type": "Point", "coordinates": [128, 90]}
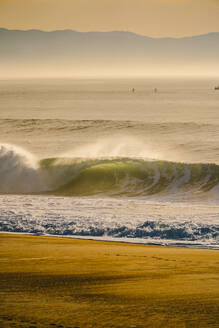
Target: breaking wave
{"type": "Point", "coordinates": [129, 177]}
{"type": "Point", "coordinates": [20, 172]}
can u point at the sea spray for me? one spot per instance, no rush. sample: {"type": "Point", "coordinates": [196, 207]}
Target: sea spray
{"type": "Point", "coordinates": [116, 146]}
{"type": "Point", "coordinates": [19, 171]}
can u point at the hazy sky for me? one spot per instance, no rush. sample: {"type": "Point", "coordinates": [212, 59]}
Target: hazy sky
{"type": "Point", "coordinates": [149, 17]}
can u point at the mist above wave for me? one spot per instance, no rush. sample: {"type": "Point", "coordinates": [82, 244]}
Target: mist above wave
{"type": "Point", "coordinates": [178, 142]}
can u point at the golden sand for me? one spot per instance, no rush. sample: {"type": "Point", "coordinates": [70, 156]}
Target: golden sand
{"type": "Point", "coordinates": [57, 282]}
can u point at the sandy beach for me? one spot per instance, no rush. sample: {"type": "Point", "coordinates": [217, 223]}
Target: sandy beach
{"type": "Point", "coordinates": [58, 282]}
{"type": "Point", "coordinates": [109, 164]}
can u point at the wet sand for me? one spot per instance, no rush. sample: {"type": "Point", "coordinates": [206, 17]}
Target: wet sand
{"type": "Point", "coordinates": [57, 282]}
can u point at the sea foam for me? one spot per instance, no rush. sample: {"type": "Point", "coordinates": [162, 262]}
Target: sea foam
{"type": "Point", "coordinates": [129, 220]}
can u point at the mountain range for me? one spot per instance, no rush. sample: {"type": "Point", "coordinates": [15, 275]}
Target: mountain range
{"type": "Point", "coordinates": [72, 53]}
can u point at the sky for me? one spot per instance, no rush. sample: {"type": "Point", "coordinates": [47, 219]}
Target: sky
{"type": "Point", "coordinates": [155, 18]}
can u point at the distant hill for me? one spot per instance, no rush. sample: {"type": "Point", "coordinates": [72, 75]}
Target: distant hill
{"type": "Point", "coordinates": [68, 52]}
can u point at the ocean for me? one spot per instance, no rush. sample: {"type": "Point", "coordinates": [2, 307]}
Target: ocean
{"type": "Point", "coordinates": [90, 158]}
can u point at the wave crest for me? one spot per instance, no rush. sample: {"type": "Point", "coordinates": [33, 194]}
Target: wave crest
{"type": "Point", "coordinates": [19, 172]}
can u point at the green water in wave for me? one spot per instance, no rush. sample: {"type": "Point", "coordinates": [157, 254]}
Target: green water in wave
{"type": "Point", "coordinates": [127, 177]}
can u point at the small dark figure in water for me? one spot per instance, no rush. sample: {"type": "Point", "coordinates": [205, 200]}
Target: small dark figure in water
{"type": "Point", "coordinates": [155, 90]}
{"type": "Point", "coordinates": [133, 90]}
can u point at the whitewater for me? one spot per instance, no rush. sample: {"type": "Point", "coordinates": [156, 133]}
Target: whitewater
{"type": "Point", "coordinates": [89, 159]}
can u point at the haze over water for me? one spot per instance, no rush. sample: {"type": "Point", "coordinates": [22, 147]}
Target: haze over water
{"type": "Point", "coordinates": [183, 114]}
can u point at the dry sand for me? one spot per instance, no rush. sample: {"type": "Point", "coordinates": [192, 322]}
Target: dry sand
{"type": "Point", "coordinates": [56, 282]}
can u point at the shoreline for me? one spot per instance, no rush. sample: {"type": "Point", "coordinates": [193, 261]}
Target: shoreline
{"type": "Point", "coordinates": [116, 220]}
{"type": "Point", "coordinates": [68, 283]}
{"type": "Point", "coordinates": [130, 241]}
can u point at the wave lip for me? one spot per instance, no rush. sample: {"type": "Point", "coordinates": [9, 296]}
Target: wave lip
{"type": "Point", "coordinates": [19, 171]}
